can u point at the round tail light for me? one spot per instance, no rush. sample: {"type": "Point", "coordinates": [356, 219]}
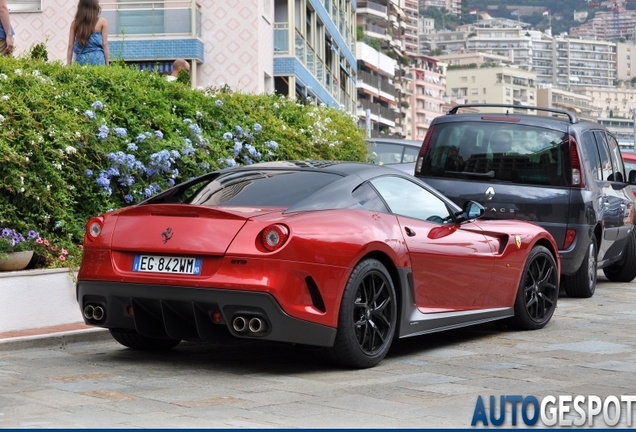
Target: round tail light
{"type": "Point", "coordinates": [94, 228]}
{"type": "Point", "coordinates": [274, 237]}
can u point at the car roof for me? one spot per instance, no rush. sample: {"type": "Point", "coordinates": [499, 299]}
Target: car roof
{"type": "Point", "coordinates": [410, 143]}
{"type": "Point", "coordinates": [361, 169]}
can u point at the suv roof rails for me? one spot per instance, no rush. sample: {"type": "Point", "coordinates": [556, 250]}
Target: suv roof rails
{"type": "Point", "coordinates": [571, 116]}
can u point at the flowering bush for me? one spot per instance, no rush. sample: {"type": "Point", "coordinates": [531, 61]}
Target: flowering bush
{"type": "Point", "coordinates": [77, 141]}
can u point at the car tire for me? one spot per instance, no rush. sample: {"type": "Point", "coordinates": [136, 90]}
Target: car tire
{"type": "Point", "coordinates": [582, 284]}
{"type": "Point", "coordinates": [136, 341]}
{"type": "Point", "coordinates": [625, 270]}
{"type": "Point", "coordinates": [367, 318]}
{"type": "Point", "coordinates": [538, 291]}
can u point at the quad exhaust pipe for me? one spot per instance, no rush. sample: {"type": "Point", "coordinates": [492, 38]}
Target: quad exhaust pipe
{"type": "Point", "coordinates": [252, 325]}
{"type": "Point", "coordinates": [95, 313]}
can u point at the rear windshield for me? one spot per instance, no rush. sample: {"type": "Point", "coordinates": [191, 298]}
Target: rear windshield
{"type": "Point", "coordinates": [498, 151]}
{"type": "Point", "coordinates": [258, 188]}
{"type": "Point", "coordinates": [381, 153]}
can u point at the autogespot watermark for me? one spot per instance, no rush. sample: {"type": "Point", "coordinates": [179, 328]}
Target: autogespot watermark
{"type": "Point", "coordinates": [561, 410]}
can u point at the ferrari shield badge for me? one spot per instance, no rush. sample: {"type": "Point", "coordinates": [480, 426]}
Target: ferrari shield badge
{"type": "Point", "coordinates": [518, 241]}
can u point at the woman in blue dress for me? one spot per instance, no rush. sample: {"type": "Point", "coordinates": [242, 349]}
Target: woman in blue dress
{"type": "Point", "coordinates": [88, 38]}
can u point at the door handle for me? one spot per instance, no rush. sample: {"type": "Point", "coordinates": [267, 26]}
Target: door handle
{"type": "Point", "coordinates": [409, 232]}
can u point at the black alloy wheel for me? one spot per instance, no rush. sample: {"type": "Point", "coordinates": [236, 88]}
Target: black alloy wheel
{"type": "Point", "coordinates": [538, 291]}
{"type": "Point", "coordinates": [367, 319]}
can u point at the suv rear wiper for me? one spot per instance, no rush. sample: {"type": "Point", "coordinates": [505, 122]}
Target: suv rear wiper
{"type": "Point", "coordinates": [489, 174]}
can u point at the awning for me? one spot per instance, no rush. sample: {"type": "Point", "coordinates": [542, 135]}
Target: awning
{"type": "Point", "coordinates": [574, 79]}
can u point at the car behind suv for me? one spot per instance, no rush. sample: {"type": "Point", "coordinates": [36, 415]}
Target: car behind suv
{"type": "Point", "coordinates": [564, 174]}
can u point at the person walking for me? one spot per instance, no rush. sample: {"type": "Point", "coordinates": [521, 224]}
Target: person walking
{"type": "Point", "coordinates": [88, 38]}
{"type": "Point", "coordinates": [6, 31]}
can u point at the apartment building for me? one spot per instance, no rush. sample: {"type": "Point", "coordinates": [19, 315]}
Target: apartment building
{"type": "Point", "coordinates": [452, 6]}
{"type": "Point", "coordinates": [411, 23]}
{"type": "Point", "coordinates": [376, 107]}
{"type": "Point", "coordinates": [608, 25]}
{"type": "Point", "coordinates": [553, 97]}
{"type": "Point", "coordinates": [301, 48]}
{"type": "Point", "coordinates": [496, 85]}
{"type": "Point", "coordinates": [428, 88]}
{"type": "Point", "coordinates": [384, 24]}
{"type": "Point", "coordinates": [625, 61]}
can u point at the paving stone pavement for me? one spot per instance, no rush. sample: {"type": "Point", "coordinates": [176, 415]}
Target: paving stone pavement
{"type": "Point", "coordinates": [432, 381]}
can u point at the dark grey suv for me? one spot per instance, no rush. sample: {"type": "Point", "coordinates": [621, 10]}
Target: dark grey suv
{"type": "Point", "coordinates": [564, 174]}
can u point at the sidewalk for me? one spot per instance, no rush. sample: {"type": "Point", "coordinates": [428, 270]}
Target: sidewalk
{"type": "Point", "coordinates": [51, 336]}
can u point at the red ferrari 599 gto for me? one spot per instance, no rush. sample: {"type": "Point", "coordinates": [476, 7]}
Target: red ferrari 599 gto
{"type": "Point", "coordinates": [344, 256]}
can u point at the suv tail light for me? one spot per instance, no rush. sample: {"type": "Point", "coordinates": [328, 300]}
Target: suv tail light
{"type": "Point", "coordinates": [425, 144]}
{"type": "Point", "coordinates": [570, 235]}
{"type": "Point", "coordinates": [577, 180]}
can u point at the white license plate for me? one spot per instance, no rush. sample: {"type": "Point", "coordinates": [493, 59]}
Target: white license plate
{"type": "Point", "coordinates": [167, 264]}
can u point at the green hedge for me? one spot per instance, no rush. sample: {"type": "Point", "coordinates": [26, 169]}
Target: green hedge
{"type": "Point", "coordinates": [75, 142]}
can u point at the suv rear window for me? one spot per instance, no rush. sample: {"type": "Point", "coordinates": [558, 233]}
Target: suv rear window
{"type": "Point", "coordinates": [498, 151]}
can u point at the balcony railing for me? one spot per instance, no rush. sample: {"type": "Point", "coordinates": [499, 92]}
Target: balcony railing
{"type": "Point", "coordinates": [372, 5]}
{"type": "Point", "coordinates": [153, 18]}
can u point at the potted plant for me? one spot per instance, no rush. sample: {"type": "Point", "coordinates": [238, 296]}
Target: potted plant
{"type": "Point", "coordinates": [16, 250]}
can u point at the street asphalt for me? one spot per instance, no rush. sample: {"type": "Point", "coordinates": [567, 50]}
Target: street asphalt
{"type": "Point", "coordinates": [84, 379]}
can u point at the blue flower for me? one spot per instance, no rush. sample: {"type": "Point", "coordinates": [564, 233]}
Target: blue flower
{"type": "Point", "coordinates": [239, 130]}
{"type": "Point", "coordinates": [171, 182]}
{"type": "Point", "coordinates": [230, 162]}
{"type": "Point", "coordinates": [219, 102]}
{"type": "Point", "coordinates": [140, 138]}
{"type": "Point", "coordinates": [120, 132]}
{"type": "Point", "coordinates": [272, 144]}
{"type": "Point", "coordinates": [98, 106]}
{"type": "Point", "coordinates": [33, 234]}
{"type": "Point", "coordinates": [159, 134]}
{"type": "Point", "coordinates": [204, 165]}
{"type": "Point", "coordinates": [132, 147]}
{"type": "Point", "coordinates": [247, 160]}
{"type": "Point", "coordinates": [228, 135]}
{"type": "Point", "coordinates": [90, 114]}
{"type": "Point", "coordinates": [195, 128]}
{"type": "Point", "coordinates": [103, 132]}
{"type": "Point", "coordinates": [251, 149]}
{"type": "Point", "coordinates": [187, 121]}
{"type": "Point", "coordinates": [6, 232]}
{"type": "Point", "coordinates": [257, 128]}
{"type": "Point", "coordinates": [128, 198]}
{"type": "Point", "coordinates": [89, 173]}
{"type": "Point", "coordinates": [238, 146]}
{"type": "Point", "coordinates": [57, 225]}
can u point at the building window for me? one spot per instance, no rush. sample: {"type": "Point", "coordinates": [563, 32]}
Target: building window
{"type": "Point", "coordinates": [24, 5]}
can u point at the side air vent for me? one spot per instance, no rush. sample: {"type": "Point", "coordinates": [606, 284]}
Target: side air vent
{"type": "Point", "coordinates": [314, 292]}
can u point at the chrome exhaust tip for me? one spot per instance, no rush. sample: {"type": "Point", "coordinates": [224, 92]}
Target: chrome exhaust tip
{"type": "Point", "coordinates": [89, 311]}
{"type": "Point", "coordinates": [98, 313]}
{"type": "Point", "coordinates": [256, 325]}
{"type": "Point", "coordinates": [239, 324]}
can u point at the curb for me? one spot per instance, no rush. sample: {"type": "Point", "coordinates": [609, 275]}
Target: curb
{"type": "Point", "coordinates": [58, 339]}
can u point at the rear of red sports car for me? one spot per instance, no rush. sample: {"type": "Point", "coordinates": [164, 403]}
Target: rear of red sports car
{"type": "Point", "coordinates": [170, 271]}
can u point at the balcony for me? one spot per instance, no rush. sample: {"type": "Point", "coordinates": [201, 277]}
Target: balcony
{"type": "Point", "coordinates": [152, 18]}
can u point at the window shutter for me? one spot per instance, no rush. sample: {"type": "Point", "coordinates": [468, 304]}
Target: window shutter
{"type": "Point", "coordinates": [25, 5]}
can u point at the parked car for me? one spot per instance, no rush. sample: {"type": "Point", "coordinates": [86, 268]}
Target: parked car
{"type": "Point", "coordinates": [398, 153]}
{"type": "Point", "coordinates": [344, 256]}
{"type": "Point", "coordinates": [629, 158]}
{"type": "Point", "coordinates": [564, 174]}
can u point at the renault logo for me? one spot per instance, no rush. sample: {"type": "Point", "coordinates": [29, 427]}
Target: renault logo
{"type": "Point", "coordinates": [490, 192]}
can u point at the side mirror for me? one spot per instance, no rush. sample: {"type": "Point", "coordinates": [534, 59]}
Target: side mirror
{"type": "Point", "coordinates": [473, 210]}
{"type": "Point", "coordinates": [632, 177]}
